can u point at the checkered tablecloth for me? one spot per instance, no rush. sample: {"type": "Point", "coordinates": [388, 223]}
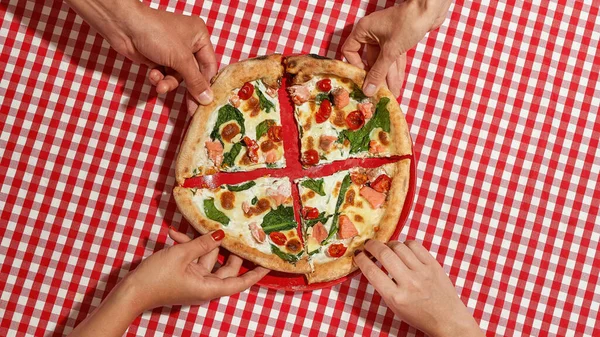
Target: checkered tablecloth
{"type": "Point", "coordinates": [502, 103]}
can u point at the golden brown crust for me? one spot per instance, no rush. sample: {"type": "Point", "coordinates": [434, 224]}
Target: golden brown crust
{"type": "Point", "coordinates": [268, 68]}
{"type": "Point", "coordinates": [397, 195]}
{"type": "Point", "coordinates": [183, 197]}
{"type": "Point", "coordinates": [305, 67]}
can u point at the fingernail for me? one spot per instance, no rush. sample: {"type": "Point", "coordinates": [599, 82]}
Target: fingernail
{"type": "Point", "coordinates": [206, 97]}
{"type": "Point", "coordinates": [155, 76]}
{"type": "Point", "coordinates": [173, 228]}
{"type": "Point", "coordinates": [218, 235]}
{"type": "Point", "coordinates": [370, 89]}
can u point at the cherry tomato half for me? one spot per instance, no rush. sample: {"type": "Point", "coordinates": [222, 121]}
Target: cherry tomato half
{"type": "Point", "coordinates": [310, 157]}
{"type": "Point", "coordinates": [382, 183]}
{"type": "Point", "coordinates": [336, 250]}
{"type": "Point", "coordinates": [324, 85]}
{"type": "Point", "coordinates": [246, 91]}
{"type": "Point", "coordinates": [275, 133]}
{"type": "Point", "coordinates": [309, 213]}
{"type": "Point", "coordinates": [324, 111]}
{"type": "Point", "coordinates": [278, 238]}
{"type": "Point", "coordinates": [355, 120]}
{"type": "Point", "coordinates": [252, 149]}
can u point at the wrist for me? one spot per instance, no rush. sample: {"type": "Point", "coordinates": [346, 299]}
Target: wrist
{"type": "Point", "coordinates": [127, 295]}
{"type": "Point", "coordinates": [425, 10]}
{"type": "Point", "coordinates": [464, 325]}
{"type": "Point", "coordinates": [113, 19]}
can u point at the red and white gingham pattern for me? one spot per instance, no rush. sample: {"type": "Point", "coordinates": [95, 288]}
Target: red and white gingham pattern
{"type": "Point", "coordinates": [503, 105]}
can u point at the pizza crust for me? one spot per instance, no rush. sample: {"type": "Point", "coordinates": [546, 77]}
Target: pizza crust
{"type": "Point", "coordinates": [267, 68]}
{"type": "Point", "coordinates": [305, 67]}
{"type": "Point", "coordinates": [397, 195]}
{"type": "Point", "coordinates": [186, 206]}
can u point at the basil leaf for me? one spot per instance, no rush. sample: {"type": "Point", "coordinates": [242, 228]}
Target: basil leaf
{"type": "Point", "coordinates": [228, 113]}
{"type": "Point", "coordinates": [334, 225]}
{"type": "Point", "coordinates": [291, 258]}
{"type": "Point", "coordinates": [242, 187]}
{"type": "Point", "coordinates": [254, 200]}
{"type": "Point", "coordinates": [315, 185]}
{"type": "Point", "coordinates": [229, 157]}
{"type": "Point", "coordinates": [357, 94]}
{"type": "Point", "coordinates": [279, 219]}
{"type": "Point", "coordinates": [322, 217]}
{"type": "Point", "coordinates": [263, 127]}
{"type": "Point", "coordinates": [213, 213]}
{"type": "Point", "coordinates": [265, 104]}
{"type": "Point", "coordinates": [324, 96]}
{"type": "Point", "coordinates": [359, 139]}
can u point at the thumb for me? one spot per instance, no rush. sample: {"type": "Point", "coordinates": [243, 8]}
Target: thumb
{"type": "Point", "coordinates": [196, 83]}
{"type": "Point", "coordinates": [202, 245]}
{"type": "Point", "coordinates": [377, 73]}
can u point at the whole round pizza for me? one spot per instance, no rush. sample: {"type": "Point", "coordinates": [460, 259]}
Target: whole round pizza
{"type": "Point", "coordinates": [310, 223]}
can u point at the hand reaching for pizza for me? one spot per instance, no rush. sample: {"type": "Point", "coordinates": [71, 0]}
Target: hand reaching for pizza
{"type": "Point", "coordinates": [177, 46]}
{"type": "Point", "coordinates": [419, 292]}
{"type": "Point", "coordinates": [387, 35]}
{"type": "Point", "coordinates": [181, 274]}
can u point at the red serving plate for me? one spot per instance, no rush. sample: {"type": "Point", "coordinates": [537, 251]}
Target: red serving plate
{"type": "Point", "coordinates": [294, 170]}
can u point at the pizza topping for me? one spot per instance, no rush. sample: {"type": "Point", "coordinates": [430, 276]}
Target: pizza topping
{"type": "Point", "coordinates": [375, 199]}
{"type": "Point", "coordinates": [246, 207]}
{"type": "Point", "coordinates": [336, 250]}
{"type": "Point", "coordinates": [227, 113]}
{"type": "Point", "coordinates": [319, 232]}
{"type": "Point", "coordinates": [235, 100]}
{"type": "Point", "coordinates": [383, 137]}
{"type": "Point", "coordinates": [324, 111]}
{"type": "Point", "coordinates": [375, 147]}
{"type": "Point", "coordinates": [324, 85]}
{"type": "Point", "coordinates": [229, 157]}
{"type": "Point", "coordinates": [358, 218]}
{"type": "Point", "coordinates": [293, 246]}
{"type": "Point", "coordinates": [310, 213]}
{"type": "Point", "coordinates": [227, 200]}
{"type": "Point", "coordinates": [272, 92]}
{"type": "Point", "coordinates": [213, 213]}
{"type": "Point", "coordinates": [339, 117]}
{"type": "Point", "coordinates": [355, 120]}
{"type": "Point", "coordinates": [229, 131]}
{"type": "Point", "coordinates": [275, 133]}
{"type": "Point", "coordinates": [350, 196]}
{"type": "Point", "coordinates": [257, 233]}
{"type": "Point", "coordinates": [271, 156]}
{"type": "Point", "coordinates": [253, 105]}
{"type": "Point", "coordinates": [215, 152]}
{"type": "Point", "coordinates": [382, 183]}
{"type": "Point", "coordinates": [280, 219]}
{"type": "Point", "coordinates": [262, 205]}
{"type": "Point", "coordinates": [359, 178]}
{"type": "Point", "coordinates": [280, 194]}
{"type": "Point", "coordinates": [315, 185]}
{"type": "Point", "coordinates": [310, 157]}
{"type": "Point", "coordinates": [347, 228]}
{"type": "Point", "coordinates": [291, 258]}
{"type": "Point", "coordinates": [246, 91]}
{"type": "Point", "coordinates": [359, 139]}
{"type": "Point", "coordinates": [242, 187]}
{"type": "Point", "coordinates": [267, 145]}
{"type": "Point", "coordinates": [341, 97]}
{"type": "Point", "coordinates": [366, 109]}
{"type": "Point", "coordinates": [325, 142]}
{"type": "Point", "coordinates": [252, 149]}
{"type": "Point", "coordinates": [278, 238]}
{"type": "Point", "coordinates": [299, 93]}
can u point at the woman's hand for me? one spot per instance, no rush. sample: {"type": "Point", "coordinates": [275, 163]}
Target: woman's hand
{"type": "Point", "coordinates": [177, 46]}
{"type": "Point", "coordinates": [418, 292]}
{"type": "Point", "coordinates": [387, 35]}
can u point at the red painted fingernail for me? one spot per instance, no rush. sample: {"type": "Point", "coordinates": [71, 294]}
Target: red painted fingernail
{"type": "Point", "coordinates": [218, 235]}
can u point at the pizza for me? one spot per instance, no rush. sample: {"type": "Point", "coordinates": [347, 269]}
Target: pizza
{"type": "Point", "coordinates": [242, 131]}
{"type": "Point", "coordinates": [336, 120]}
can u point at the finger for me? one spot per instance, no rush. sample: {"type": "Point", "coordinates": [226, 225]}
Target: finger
{"type": "Point", "coordinates": [374, 274]}
{"type": "Point", "coordinates": [155, 75]}
{"type": "Point", "coordinates": [388, 258]}
{"type": "Point", "coordinates": [372, 51]}
{"type": "Point", "coordinates": [420, 252]}
{"type": "Point", "coordinates": [178, 236]}
{"type": "Point", "coordinates": [191, 104]}
{"type": "Point", "coordinates": [207, 61]}
{"type": "Point", "coordinates": [202, 245]}
{"type": "Point", "coordinates": [231, 268]}
{"type": "Point", "coordinates": [234, 285]}
{"type": "Point", "coordinates": [208, 261]}
{"type": "Point", "coordinates": [395, 76]}
{"type": "Point", "coordinates": [376, 76]}
{"type": "Point", "coordinates": [406, 255]}
{"type": "Point", "coordinates": [197, 85]}
{"type": "Point", "coordinates": [351, 51]}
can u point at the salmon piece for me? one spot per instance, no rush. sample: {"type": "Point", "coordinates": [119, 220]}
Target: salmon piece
{"type": "Point", "coordinates": [375, 199]}
{"type": "Point", "coordinates": [234, 100]}
{"type": "Point", "coordinates": [280, 194]}
{"type": "Point", "coordinates": [272, 92]}
{"type": "Point", "coordinates": [341, 97]}
{"type": "Point", "coordinates": [246, 207]}
{"type": "Point", "coordinates": [299, 93]}
{"type": "Point", "coordinates": [366, 109]}
{"type": "Point", "coordinates": [257, 232]}
{"type": "Point", "coordinates": [325, 142]}
{"type": "Point", "coordinates": [375, 147]}
{"type": "Point", "coordinates": [215, 152]}
{"type": "Point", "coordinates": [319, 232]}
{"type": "Point", "coordinates": [347, 228]}
{"type": "Point", "coordinates": [271, 156]}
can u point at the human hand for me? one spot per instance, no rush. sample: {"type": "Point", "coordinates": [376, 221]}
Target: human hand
{"type": "Point", "coordinates": [387, 35]}
{"type": "Point", "coordinates": [177, 46]}
{"type": "Point", "coordinates": [419, 292]}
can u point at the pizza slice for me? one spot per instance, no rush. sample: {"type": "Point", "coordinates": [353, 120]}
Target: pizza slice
{"type": "Point", "coordinates": [336, 120]}
{"type": "Point", "coordinates": [241, 129]}
{"type": "Point", "coordinates": [257, 217]}
{"type": "Point", "coordinates": [341, 211]}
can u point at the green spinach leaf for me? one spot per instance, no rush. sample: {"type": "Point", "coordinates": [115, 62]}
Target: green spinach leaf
{"type": "Point", "coordinates": [263, 127]}
{"type": "Point", "coordinates": [324, 96]}
{"type": "Point", "coordinates": [357, 94]}
{"type": "Point", "coordinates": [242, 187]}
{"type": "Point", "coordinates": [359, 139]}
{"type": "Point", "coordinates": [213, 213]}
{"type": "Point", "coordinates": [254, 200]}
{"type": "Point", "coordinates": [265, 104]}
{"type": "Point", "coordinates": [334, 224]}
{"type": "Point", "coordinates": [315, 185]}
{"type": "Point", "coordinates": [229, 157]}
{"type": "Point", "coordinates": [291, 258]}
{"type": "Point", "coordinates": [279, 219]}
{"type": "Point", "coordinates": [228, 113]}
{"type": "Point", "coordinates": [322, 217]}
